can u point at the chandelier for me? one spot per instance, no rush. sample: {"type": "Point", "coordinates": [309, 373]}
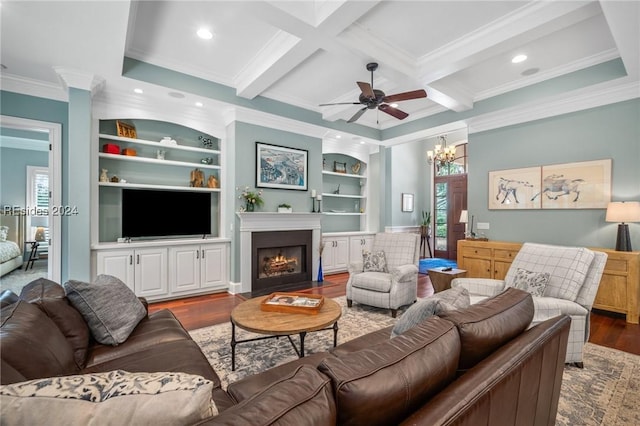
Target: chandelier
{"type": "Point", "coordinates": [442, 154]}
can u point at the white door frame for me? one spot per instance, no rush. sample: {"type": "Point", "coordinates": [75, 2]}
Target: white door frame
{"type": "Point", "coordinates": [54, 131]}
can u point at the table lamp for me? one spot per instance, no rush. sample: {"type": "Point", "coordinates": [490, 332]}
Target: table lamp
{"type": "Point", "coordinates": [623, 212]}
{"type": "Point", "coordinates": [464, 218]}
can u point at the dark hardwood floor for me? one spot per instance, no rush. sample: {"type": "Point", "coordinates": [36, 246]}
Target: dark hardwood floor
{"type": "Point", "coordinates": [607, 329]}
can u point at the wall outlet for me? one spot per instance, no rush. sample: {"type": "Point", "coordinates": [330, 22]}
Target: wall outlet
{"type": "Point", "coordinates": [482, 225]}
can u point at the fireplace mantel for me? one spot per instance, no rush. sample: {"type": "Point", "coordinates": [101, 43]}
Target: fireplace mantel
{"type": "Point", "coordinates": [262, 221]}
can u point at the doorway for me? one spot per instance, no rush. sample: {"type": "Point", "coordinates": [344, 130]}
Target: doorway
{"type": "Point", "coordinates": [32, 194]}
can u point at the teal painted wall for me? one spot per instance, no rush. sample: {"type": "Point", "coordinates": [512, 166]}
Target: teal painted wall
{"type": "Point", "coordinates": [13, 173]}
{"type": "Point", "coordinates": [244, 146]}
{"type": "Point", "coordinates": [34, 108]}
{"type": "Point", "coordinates": [411, 176]}
{"type": "Point", "coordinates": [611, 131]}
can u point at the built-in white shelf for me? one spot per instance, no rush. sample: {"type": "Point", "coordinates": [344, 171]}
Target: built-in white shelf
{"type": "Point", "coordinates": [135, 158]}
{"type": "Point", "coordinates": [343, 214]}
{"type": "Point", "coordinates": [157, 144]}
{"type": "Point", "coordinates": [326, 172]}
{"type": "Point", "coordinates": [151, 186]}
{"type": "Point", "coordinates": [342, 195]}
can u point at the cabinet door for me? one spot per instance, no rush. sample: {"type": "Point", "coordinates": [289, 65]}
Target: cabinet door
{"type": "Point", "coordinates": [118, 263]}
{"type": "Point", "coordinates": [151, 272]}
{"type": "Point", "coordinates": [500, 269]}
{"type": "Point", "coordinates": [337, 250]}
{"type": "Point", "coordinates": [356, 245]}
{"type": "Point", "coordinates": [212, 266]}
{"type": "Point", "coordinates": [477, 268]}
{"type": "Point", "coordinates": [184, 268]}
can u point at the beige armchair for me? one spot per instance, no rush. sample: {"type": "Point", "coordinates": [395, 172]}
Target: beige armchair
{"type": "Point", "coordinates": [571, 285]}
{"type": "Point", "coordinates": [396, 284]}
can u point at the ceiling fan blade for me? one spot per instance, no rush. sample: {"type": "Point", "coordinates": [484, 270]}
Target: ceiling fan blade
{"type": "Point", "coordinates": [400, 115]}
{"type": "Point", "coordinates": [357, 115]}
{"type": "Point", "coordinates": [414, 94]}
{"type": "Point", "coordinates": [366, 89]}
{"type": "Point", "coordinates": [341, 103]}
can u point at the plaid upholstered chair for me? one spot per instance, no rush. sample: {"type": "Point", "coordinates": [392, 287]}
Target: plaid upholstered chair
{"type": "Point", "coordinates": [387, 277]}
{"type": "Point", "coordinates": [563, 280]}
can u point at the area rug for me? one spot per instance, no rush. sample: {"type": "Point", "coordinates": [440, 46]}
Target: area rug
{"type": "Point", "coordinates": [606, 392]}
{"type": "Point", "coordinates": [435, 262]}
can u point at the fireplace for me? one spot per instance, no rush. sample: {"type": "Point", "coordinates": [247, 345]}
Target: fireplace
{"type": "Point", "coordinates": [280, 257]}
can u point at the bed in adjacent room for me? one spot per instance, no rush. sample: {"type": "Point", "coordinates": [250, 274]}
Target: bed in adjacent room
{"type": "Point", "coordinates": [11, 241]}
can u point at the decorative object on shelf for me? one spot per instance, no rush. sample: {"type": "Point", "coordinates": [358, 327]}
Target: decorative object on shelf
{"type": "Point", "coordinates": [168, 141]}
{"type": "Point", "coordinates": [280, 167]}
{"type": "Point", "coordinates": [251, 198]}
{"type": "Point", "coordinates": [320, 250]}
{"type": "Point", "coordinates": [129, 151]}
{"type": "Point", "coordinates": [442, 154]}
{"type": "Point", "coordinates": [115, 179]}
{"type": "Point", "coordinates": [339, 167]}
{"type": "Point", "coordinates": [407, 202]}
{"type": "Point", "coordinates": [111, 148]}
{"type": "Point", "coordinates": [207, 160]}
{"type": "Point", "coordinates": [206, 142]}
{"type": "Point", "coordinates": [103, 176]}
{"type": "Point", "coordinates": [324, 164]}
{"type": "Point", "coordinates": [197, 178]}
{"type": "Point", "coordinates": [213, 182]}
{"type": "Point", "coordinates": [319, 199]}
{"type": "Point", "coordinates": [623, 212]}
{"type": "Point", "coordinates": [284, 208]}
{"type": "Point", "coordinates": [160, 153]}
{"type": "Point", "coordinates": [337, 191]}
{"type": "Point", "coordinates": [126, 130]}
{"type": "Point", "coordinates": [313, 201]}
{"type": "Point", "coordinates": [355, 169]}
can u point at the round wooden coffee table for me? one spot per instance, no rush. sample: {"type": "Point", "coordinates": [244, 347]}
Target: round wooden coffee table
{"type": "Point", "coordinates": [248, 316]}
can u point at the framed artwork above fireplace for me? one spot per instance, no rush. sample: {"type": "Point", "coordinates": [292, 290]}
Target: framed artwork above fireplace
{"type": "Point", "coordinates": [280, 167]}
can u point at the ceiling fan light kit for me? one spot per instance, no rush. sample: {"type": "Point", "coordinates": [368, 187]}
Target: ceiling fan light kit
{"type": "Point", "coordinates": [376, 99]}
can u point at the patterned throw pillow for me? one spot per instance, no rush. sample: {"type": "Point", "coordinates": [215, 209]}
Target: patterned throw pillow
{"type": "Point", "coordinates": [110, 308]}
{"type": "Point", "coordinates": [374, 262]}
{"type": "Point", "coordinates": [114, 397]}
{"type": "Point", "coordinates": [531, 282]}
{"type": "Point", "coordinates": [4, 231]}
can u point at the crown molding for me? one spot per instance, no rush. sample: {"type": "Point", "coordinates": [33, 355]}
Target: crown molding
{"type": "Point", "coordinates": [31, 87]}
{"type": "Point", "coordinates": [79, 79]}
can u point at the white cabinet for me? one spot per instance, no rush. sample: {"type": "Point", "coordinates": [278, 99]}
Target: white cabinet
{"type": "Point", "coordinates": [162, 270]}
{"type": "Point", "coordinates": [196, 267]}
{"type": "Point", "coordinates": [335, 256]}
{"type": "Point", "coordinates": [143, 270]}
{"type": "Point", "coordinates": [357, 243]}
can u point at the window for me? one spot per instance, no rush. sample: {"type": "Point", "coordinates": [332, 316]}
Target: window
{"type": "Point", "coordinates": [38, 204]}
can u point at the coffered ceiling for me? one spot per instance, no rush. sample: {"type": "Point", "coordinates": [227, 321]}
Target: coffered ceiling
{"type": "Point", "coordinates": [306, 53]}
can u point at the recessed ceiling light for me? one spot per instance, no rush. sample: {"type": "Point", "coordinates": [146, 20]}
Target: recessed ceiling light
{"type": "Point", "coordinates": [199, 104]}
{"type": "Point", "coordinates": [205, 34]}
{"type": "Point", "coordinates": [138, 90]}
{"type": "Point", "coordinates": [338, 136]}
{"type": "Point", "coordinates": [519, 58]}
{"type": "Point", "coordinates": [362, 142]}
{"type": "Point", "coordinates": [393, 105]}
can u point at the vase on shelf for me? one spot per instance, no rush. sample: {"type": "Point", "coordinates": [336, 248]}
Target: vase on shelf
{"type": "Point", "coordinates": [320, 275]}
{"type": "Point", "coordinates": [250, 207]}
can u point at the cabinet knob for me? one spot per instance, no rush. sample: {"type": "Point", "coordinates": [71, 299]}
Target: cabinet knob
{"type": "Point", "coordinates": [130, 259]}
{"type": "Point", "coordinates": [202, 253]}
{"type": "Point", "coordinates": [137, 259]}
{"type": "Point", "coordinates": [197, 254]}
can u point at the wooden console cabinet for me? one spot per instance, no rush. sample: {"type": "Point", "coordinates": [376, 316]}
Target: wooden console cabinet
{"type": "Point", "coordinates": [619, 289]}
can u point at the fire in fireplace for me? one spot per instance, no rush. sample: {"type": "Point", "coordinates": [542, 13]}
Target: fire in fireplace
{"type": "Point", "coordinates": [280, 257]}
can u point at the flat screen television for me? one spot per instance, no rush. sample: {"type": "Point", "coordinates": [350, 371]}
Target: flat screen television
{"type": "Point", "coordinates": [164, 213]}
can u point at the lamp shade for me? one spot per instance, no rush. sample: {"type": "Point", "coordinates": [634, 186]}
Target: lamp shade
{"type": "Point", "coordinates": [621, 211]}
{"type": "Point", "coordinates": [39, 221]}
{"type": "Point", "coordinates": [464, 216]}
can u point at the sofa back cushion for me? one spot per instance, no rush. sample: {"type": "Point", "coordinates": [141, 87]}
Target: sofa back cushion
{"type": "Point", "coordinates": [567, 267]}
{"type": "Point", "coordinates": [50, 298]}
{"type": "Point", "coordinates": [490, 323]}
{"type": "Point", "coordinates": [32, 344]}
{"type": "Point", "coordinates": [383, 384]}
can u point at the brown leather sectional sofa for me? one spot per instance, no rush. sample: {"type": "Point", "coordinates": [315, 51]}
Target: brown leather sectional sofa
{"type": "Point", "coordinates": [480, 365]}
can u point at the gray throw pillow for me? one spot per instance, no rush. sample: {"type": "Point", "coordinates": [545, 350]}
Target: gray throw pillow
{"type": "Point", "coordinates": [109, 307]}
{"type": "Point", "coordinates": [447, 300]}
{"type": "Point", "coordinates": [531, 282]}
{"type": "Point", "coordinates": [374, 262]}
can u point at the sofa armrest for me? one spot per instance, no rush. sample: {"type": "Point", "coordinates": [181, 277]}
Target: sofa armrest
{"type": "Point", "coordinates": [145, 303]}
{"type": "Point", "coordinates": [403, 272]}
{"type": "Point", "coordinates": [356, 267]}
{"type": "Point", "coordinates": [479, 286]}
